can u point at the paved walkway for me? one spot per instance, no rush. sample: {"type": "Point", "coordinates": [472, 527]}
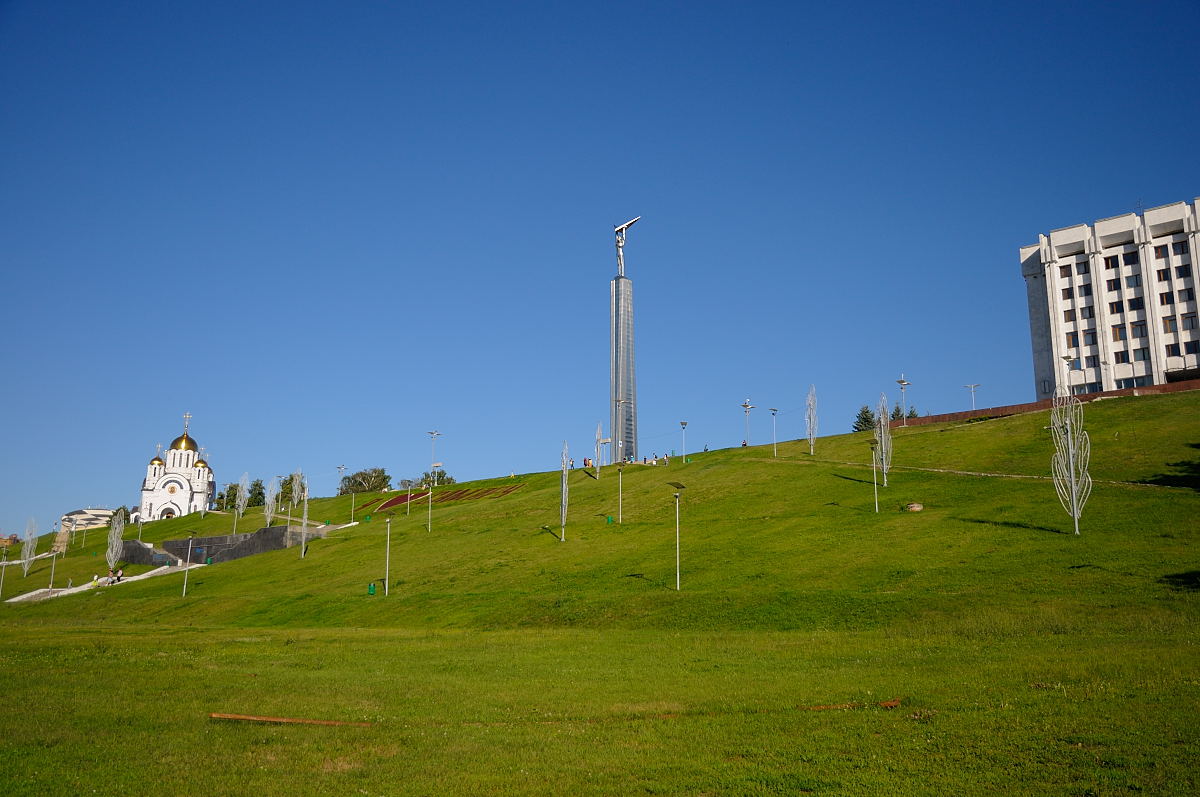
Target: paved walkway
{"type": "Point", "coordinates": [46, 594]}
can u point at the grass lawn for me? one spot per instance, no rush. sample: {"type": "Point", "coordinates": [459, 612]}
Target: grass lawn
{"type": "Point", "coordinates": [1013, 656]}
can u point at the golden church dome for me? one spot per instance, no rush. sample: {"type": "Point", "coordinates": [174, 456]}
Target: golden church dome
{"type": "Point", "coordinates": [201, 464]}
{"type": "Point", "coordinates": [183, 443]}
{"type": "Point", "coordinates": [156, 461]}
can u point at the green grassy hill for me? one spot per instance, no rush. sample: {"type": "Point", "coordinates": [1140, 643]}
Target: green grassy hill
{"type": "Point", "coordinates": [1024, 658]}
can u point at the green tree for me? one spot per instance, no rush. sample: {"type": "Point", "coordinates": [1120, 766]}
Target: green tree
{"type": "Point", "coordinates": [227, 498]}
{"type": "Point", "coordinates": [864, 421]}
{"type": "Point", "coordinates": [442, 477]}
{"type": "Point", "coordinates": [897, 413]}
{"type": "Point", "coordinates": [371, 480]}
{"type": "Point", "coordinates": [258, 493]}
{"type": "Point", "coordinates": [912, 412]}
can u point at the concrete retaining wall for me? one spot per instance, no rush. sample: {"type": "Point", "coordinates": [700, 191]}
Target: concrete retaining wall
{"type": "Point", "coordinates": [143, 553]}
{"type": "Point", "coordinates": [227, 547]}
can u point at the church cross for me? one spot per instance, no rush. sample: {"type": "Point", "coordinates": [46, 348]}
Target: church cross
{"type": "Point", "coordinates": [187, 416]}
{"type": "Point", "coordinates": [158, 449]}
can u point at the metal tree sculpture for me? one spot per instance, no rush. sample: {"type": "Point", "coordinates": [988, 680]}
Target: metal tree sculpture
{"type": "Point", "coordinates": [883, 437]}
{"type": "Point", "coordinates": [810, 416]}
{"type": "Point", "coordinates": [28, 546]}
{"type": "Point", "coordinates": [562, 510]}
{"type": "Point", "coordinates": [1072, 450]}
{"type": "Point", "coordinates": [243, 497]}
{"type": "Point", "coordinates": [269, 500]}
{"type": "Point", "coordinates": [297, 485]}
{"type": "Point", "coordinates": [116, 544]}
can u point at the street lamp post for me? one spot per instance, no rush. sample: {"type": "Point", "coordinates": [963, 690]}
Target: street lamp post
{"type": "Point", "coordinates": [1067, 360]}
{"type": "Point", "coordinates": [387, 559]}
{"type": "Point", "coordinates": [747, 406]}
{"type": "Point", "coordinates": [433, 436]}
{"type": "Point", "coordinates": [903, 383]}
{"type": "Point", "coordinates": [774, 444]}
{"type": "Point", "coordinates": [972, 389]}
{"type": "Point", "coordinates": [683, 444]}
{"type": "Point", "coordinates": [3, 570]}
{"type": "Point", "coordinates": [678, 488]}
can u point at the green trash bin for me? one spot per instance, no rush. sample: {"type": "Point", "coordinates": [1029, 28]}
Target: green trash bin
{"type": "Point", "coordinates": [208, 560]}
{"type": "Point", "coordinates": [609, 518]}
{"type": "Point", "coordinates": [371, 588]}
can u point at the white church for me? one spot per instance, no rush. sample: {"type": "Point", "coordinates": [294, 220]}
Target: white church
{"type": "Point", "coordinates": [179, 486]}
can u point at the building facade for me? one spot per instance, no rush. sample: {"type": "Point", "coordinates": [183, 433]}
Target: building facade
{"type": "Point", "coordinates": [1112, 304]}
{"type": "Point", "coordinates": [179, 485]}
{"type": "Point", "coordinates": [89, 518]}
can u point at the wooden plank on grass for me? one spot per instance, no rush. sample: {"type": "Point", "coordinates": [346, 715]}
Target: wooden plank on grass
{"type": "Point", "coordinates": [285, 720]}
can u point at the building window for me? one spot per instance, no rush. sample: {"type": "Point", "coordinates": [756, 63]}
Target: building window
{"type": "Point", "coordinates": [1072, 340]}
{"type": "Point", "coordinates": [1138, 329]}
{"type": "Point", "coordinates": [1133, 281]}
{"type": "Point", "coordinates": [1179, 247]}
{"type": "Point", "coordinates": [1068, 293]}
{"type": "Point", "coordinates": [1191, 347]}
{"type": "Point", "coordinates": [1172, 349]}
{"type": "Point", "coordinates": [1187, 294]}
{"type": "Point", "coordinates": [1141, 355]}
{"type": "Point", "coordinates": [1087, 311]}
{"type": "Point", "coordinates": [1130, 258]}
{"type": "Point", "coordinates": [1085, 289]}
{"type": "Point", "coordinates": [1183, 271]}
{"type": "Point", "coordinates": [1082, 267]}
{"type": "Point", "coordinates": [1169, 324]}
{"type": "Point", "coordinates": [1092, 361]}
{"type": "Point", "coordinates": [1116, 307]}
{"type": "Point", "coordinates": [1164, 275]}
{"type": "Point", "coordinates": [1068, 316]}
{"type": "Point", "coordinates": [1075, 365]}
{"type": "Point", "coordinates": [1089, 337]}
{"type": "Point", "coordinates": [1160, 252]}
{"type": "Point", "coordinates": [1118, 332]}
{"type": "Point", "coordinates": [1064, 271]}
{"type": "Point", "coordinates": [1120, 356]}
{"type": "Point", "coordinates": [1166, 298]}
{"type": "Point", "coordinates": [1189, 321]}
{"type": "Point", "coordinates": [1133, 381]}
{"type": "Point", "coordinates": [1136, 303]}
{"type": "Point", "coordinates": [1111, 261]}
{"type": "Point", "coordinates": [1113, 285]}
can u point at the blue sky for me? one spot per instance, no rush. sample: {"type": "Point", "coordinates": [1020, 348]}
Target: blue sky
{"type": "Point", "coordinates": [327, 228]}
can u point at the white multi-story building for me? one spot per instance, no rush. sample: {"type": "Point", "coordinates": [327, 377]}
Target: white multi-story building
{"type": "Point", "coordinates": [1113, 304]}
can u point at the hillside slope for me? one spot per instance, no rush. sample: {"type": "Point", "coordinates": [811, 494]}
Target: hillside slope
{"type": "Point", "coordinates": [768, 543]}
